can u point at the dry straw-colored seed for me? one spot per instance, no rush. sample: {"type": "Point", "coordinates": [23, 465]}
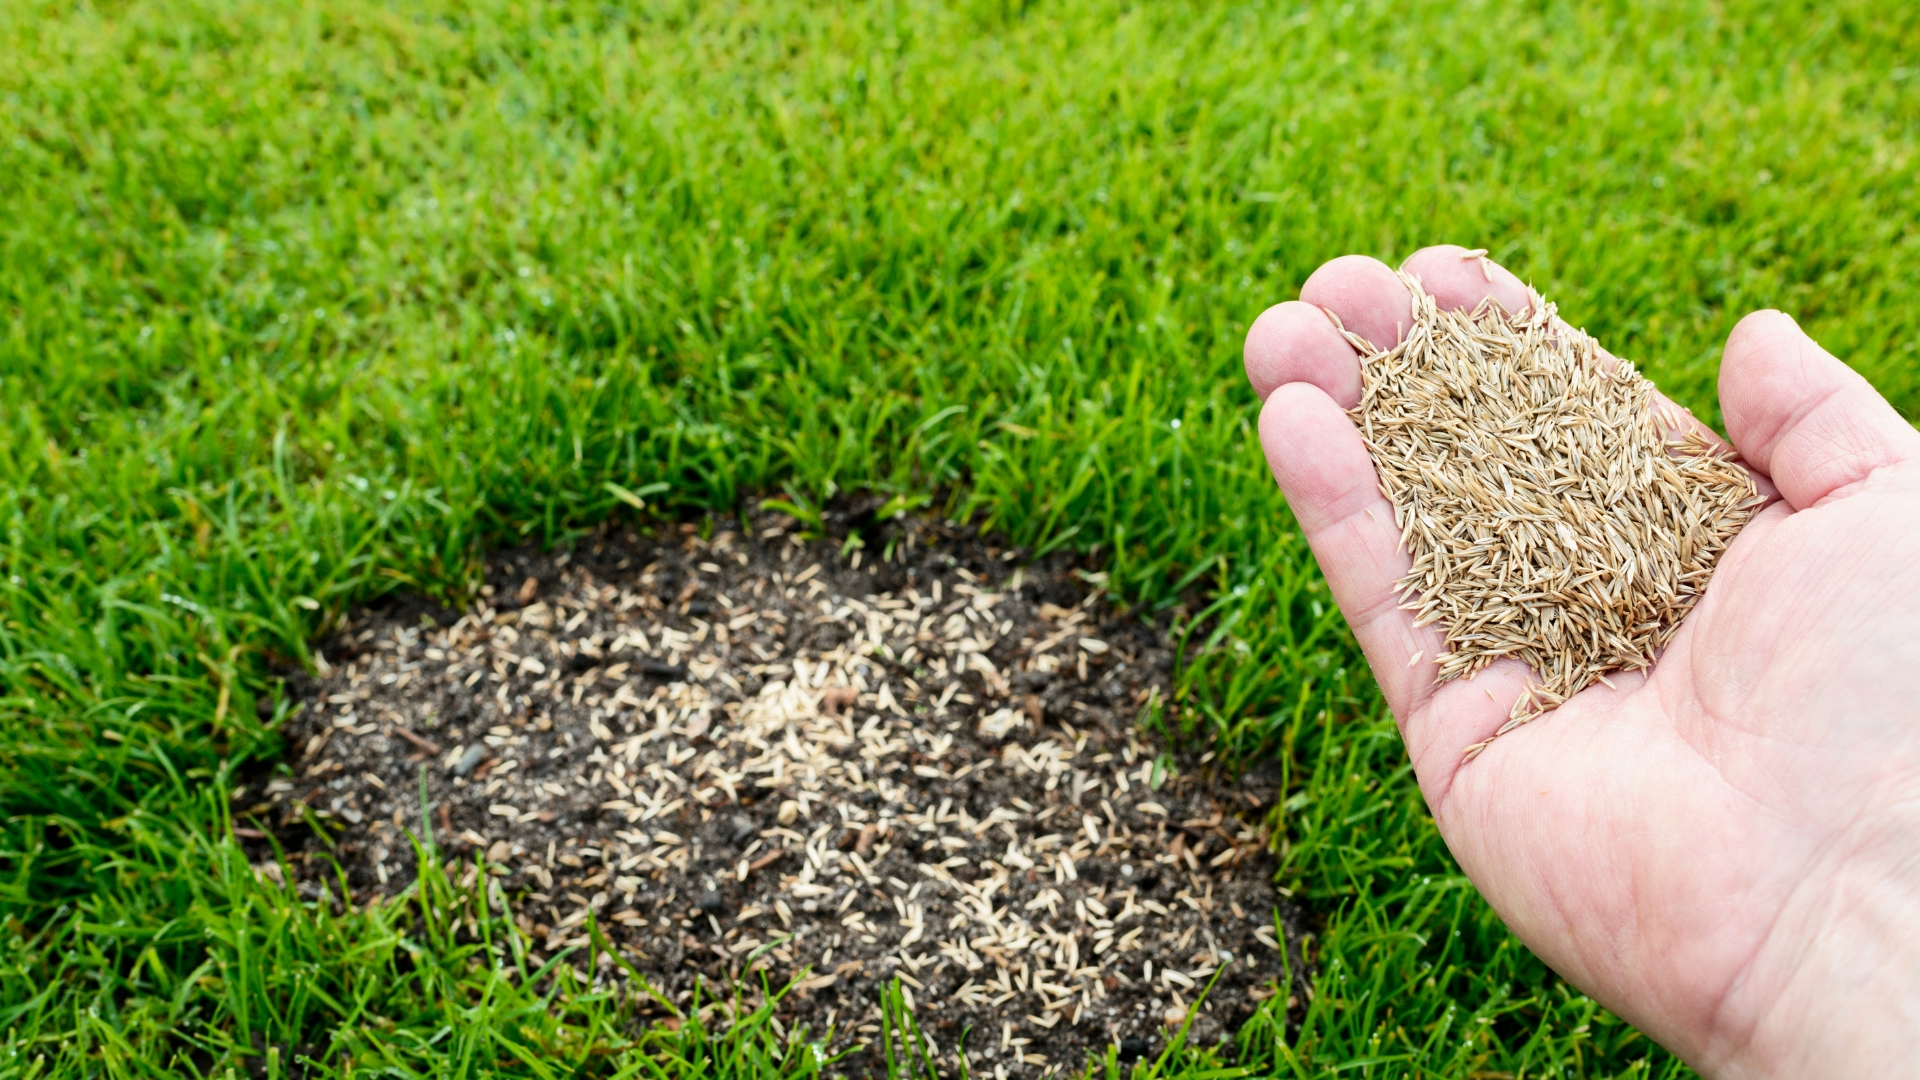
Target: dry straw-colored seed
{"type": "Point", "coordinates": [1552, 514]}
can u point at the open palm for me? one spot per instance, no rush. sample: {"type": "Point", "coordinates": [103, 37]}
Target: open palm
{"type": "Point", "coordinates": [1726, 850]}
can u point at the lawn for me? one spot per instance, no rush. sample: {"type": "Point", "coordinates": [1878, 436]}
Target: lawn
{"type": "Point", "coordinates": [306, 303]}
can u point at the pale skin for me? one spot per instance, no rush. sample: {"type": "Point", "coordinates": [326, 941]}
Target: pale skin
{"type": "Point", "coordinates": [1726, 850]}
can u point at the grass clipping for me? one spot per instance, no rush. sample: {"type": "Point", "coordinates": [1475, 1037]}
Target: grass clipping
{"type": "Point", "coordinates": [1550, 514]}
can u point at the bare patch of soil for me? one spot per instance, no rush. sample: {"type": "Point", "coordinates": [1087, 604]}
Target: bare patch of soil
{"type": "Point", "coordinates": [749, 754]}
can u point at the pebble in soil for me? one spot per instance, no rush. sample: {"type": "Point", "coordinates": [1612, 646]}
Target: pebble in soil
{"type": "Point", "coordinates": [746, 754]}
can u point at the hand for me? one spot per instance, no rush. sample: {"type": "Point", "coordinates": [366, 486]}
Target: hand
{"type": "Point", "coordinates": [1725, 850]}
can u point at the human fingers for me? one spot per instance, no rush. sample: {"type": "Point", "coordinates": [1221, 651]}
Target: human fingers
{"type": "Point", "coordinates": [1322, 466]}
{"type": "Point", "coordinates": [1324, 469]}
{"type": "Point", "coordinates": [1365, 295]}
{"type": "Point", "coordinates": [1296, 342]}
{"type": "Point", "coordinates": [1459, 278]}
{"type": "Point", "coordinates": [1797, 414]}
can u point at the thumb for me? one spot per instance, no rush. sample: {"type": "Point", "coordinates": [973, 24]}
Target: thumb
{"type": "Point", "coordinates": [1809, 422]}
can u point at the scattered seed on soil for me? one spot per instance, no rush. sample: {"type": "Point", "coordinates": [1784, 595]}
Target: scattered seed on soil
{"type": "Point", "coordinates": [745, 755]}
{"type": "Point", "coordinates": [1551, 513]}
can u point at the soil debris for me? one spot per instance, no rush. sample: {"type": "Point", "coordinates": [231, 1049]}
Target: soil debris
{"type": "Point", "coordinates": [747, 755]}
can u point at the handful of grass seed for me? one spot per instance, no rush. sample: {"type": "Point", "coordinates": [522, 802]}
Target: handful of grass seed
{"type": "Point", "coordinates": [1551, 516]}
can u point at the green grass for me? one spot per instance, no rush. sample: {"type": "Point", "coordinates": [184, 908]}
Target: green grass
{"type": "Point", "coordinates": [300, 304]}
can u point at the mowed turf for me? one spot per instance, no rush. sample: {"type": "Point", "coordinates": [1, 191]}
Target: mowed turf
{"type": "Point", "coordinates": [302, 304]}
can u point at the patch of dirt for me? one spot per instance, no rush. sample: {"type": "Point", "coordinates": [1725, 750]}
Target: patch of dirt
{"type": "Point", "coordinates": [748, 754]}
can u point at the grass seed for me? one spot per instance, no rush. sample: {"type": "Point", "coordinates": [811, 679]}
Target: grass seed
{"type": "Point", "coordinates": [1554, 514]}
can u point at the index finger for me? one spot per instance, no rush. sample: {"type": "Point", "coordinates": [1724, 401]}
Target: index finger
{"type": "Point", "coordinates": [1309, 376]}
{"type": "Point", "coordinates": [1317, 457]}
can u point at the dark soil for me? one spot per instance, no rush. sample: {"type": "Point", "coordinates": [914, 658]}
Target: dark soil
{"type": "Point", "coordinates": [748, 754]}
